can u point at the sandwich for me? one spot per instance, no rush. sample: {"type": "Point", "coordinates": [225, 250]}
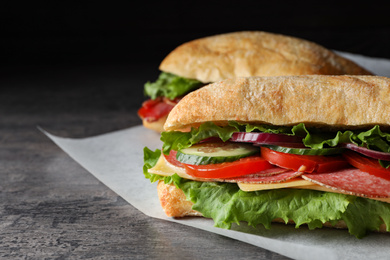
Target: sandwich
{"type": "Point", "coordinates": [239, 54]}
{"type": "Point", "coordinates": [308, 150]}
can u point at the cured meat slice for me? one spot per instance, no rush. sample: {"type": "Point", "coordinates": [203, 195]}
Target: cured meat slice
{"type": "Point", "coordinates": [282, 176]}
{"type": "Point", "coordinates": [352, 181]}
{"type": "Point", "coordinates": [267, 172]}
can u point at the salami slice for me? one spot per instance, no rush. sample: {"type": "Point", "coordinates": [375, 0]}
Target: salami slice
{"type": "Point", "coordinates": [352, 181]}
{"type": "Point", "coordinates": [282, 176]}
{"type": "Point", "coordinates": [268, 172]}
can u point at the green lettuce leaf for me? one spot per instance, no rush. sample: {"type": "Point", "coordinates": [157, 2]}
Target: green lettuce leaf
{"type": "Point", "coordinates": [170, 86]}
{"type": "Point", "coordinates": [366, 215]}
{"type": "Point", "coordinates": [375, 139]}
{"type": "Point", "coordinates": [150, 160]}
{"type": "Point", "coordinates": [271, 129]}
{"type": "Point", "coordinates": [227, 204]}
{"type": "Point", "coordinates": [179, 140]}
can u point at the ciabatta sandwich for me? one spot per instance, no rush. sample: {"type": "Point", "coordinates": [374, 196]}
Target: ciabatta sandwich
{"type": "Point", "coordinates": [240, 54]}
{"type": "Point", "coordinates": [310, 150]}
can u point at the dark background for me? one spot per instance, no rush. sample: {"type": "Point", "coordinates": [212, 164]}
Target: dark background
{"type": "Point", "coordinates": [56, 34]}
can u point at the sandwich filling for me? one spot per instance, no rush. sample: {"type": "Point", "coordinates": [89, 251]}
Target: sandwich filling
{"type": "Point", "coordinates": [164, 94]}
{"type": "Point", "coordinates": [258, 173]}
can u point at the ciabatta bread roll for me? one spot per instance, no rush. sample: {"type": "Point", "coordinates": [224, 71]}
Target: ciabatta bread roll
{"type": "Point", "coordinates": [308, 149]}
{"type": "Point", "coordinates": [254, 53]}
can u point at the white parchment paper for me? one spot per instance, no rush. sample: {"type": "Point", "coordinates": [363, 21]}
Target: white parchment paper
{"type": "Point", "coordinates": [116, 159]}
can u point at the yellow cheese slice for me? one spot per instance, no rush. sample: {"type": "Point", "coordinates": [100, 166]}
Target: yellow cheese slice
{"type": "Point", "coordinates": [271, 186]}
{"type": "Point", "coordinates": [164, 168]}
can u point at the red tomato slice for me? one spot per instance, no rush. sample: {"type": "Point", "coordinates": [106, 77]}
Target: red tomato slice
{"type": "Point", "coordinates": [243, 166]}
{"type": "Point", "coordinates": [366, 164]}
{"type": "Point", "coordinates": [171, 158]}
{"type": "Point", "coordinates": [304, 163]}
{"type": "Point", "coordinates": [152, 110]}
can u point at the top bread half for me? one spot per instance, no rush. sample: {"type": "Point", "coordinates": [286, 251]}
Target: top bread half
{"type": "Point", "coordinates": [331, 101]}
{"type": "Point", "coordinates": [254, 53]}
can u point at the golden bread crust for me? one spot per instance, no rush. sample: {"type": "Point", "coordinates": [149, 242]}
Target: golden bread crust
{"type": "Point", "coordinates": [254, 53]}
{"type": "Point", "coordinates": [332, 101]}
{"type": "Point", "coordinates": [175, 204]}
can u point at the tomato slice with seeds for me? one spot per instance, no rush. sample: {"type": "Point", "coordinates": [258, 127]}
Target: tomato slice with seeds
{"type": "Point", "coordinates": [367, 164]}
{"type": "Point", "coordinates": [304, 163]}
{"type": "Point", "coordinates": [243, 166]}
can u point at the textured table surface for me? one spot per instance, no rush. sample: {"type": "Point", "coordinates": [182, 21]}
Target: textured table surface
{"type": "Point", "coordinates": [52, 208]}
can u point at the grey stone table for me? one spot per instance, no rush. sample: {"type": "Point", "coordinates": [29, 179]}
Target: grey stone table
{"type": "Point", "coordinates": [50, 207]}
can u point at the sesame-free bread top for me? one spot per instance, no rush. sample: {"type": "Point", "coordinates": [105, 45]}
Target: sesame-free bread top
{"type": "Point", "coordinates": [316, 100]}
{"type": "Point", "coordinates": [254, 53]}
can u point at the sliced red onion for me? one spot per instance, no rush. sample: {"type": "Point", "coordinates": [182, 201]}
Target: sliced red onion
{"type": "Point", "coordinates": [289, 145]}
{"type": "Point", "coordinates": [210, 139]}
{"type": "Point", "coordinates": [265, 138]}
{"type": "Point", "coordinates": [367, 152]}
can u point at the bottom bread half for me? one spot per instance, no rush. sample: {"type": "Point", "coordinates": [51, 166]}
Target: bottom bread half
{"type": "Point", "coordinates": [175, 204]}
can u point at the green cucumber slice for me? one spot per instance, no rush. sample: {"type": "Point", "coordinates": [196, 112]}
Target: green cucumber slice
{"type": "Point", "coordinates": [215, 152]}
{"type": "Point", "coordinates": [306, 151]}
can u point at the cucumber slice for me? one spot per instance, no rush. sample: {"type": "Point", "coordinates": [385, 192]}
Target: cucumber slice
{"type": "Point", "coordinates": [306, 151]}
{"type": "Point", "coordinates": [215, 152]}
